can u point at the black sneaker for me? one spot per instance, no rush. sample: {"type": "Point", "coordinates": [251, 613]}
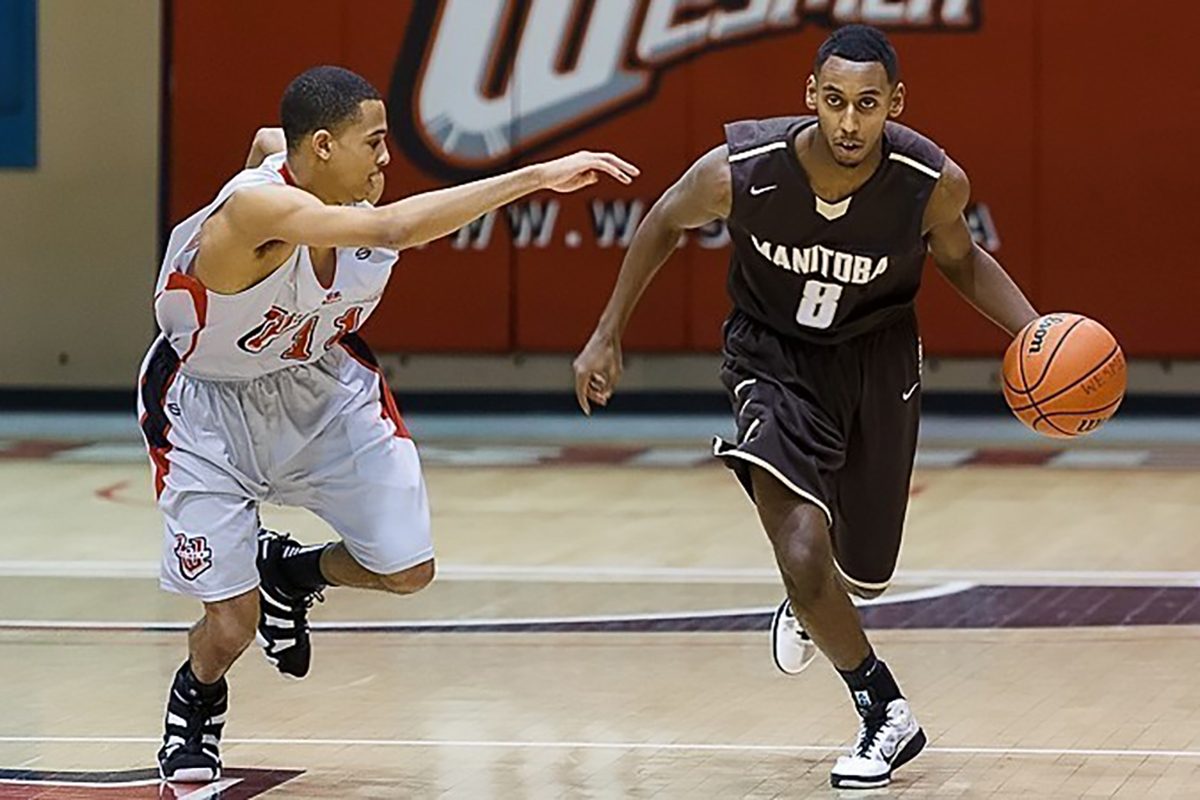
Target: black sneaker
{"type": "Point", "coordinates": [282, 610]}
{"type": "Point", "coordinates": [191, 742]}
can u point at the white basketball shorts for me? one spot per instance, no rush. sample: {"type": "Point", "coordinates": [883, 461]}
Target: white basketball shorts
{"type": "Point", "coordinates": [324, 436]}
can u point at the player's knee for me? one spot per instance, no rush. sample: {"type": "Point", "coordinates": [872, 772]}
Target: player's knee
{"type": "Point", "coordinates": [804, 557]}
{"type": "Point", "coordinates": [411, 580]}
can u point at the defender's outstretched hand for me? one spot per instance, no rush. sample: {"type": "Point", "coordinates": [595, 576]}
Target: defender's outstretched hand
{"type": "Point", "coordinates": [573, 172]}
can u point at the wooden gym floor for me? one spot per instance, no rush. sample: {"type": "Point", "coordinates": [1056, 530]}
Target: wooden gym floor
{"type": "Point", "coordinates": [598, 629]}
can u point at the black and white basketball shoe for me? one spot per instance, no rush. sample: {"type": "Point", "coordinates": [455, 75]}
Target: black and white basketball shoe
{"type": "Point", "coordinates": [283, 609]}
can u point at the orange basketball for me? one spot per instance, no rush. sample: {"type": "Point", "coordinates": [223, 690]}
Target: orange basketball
{"type": "Point", "coordinates": [1064, 375]}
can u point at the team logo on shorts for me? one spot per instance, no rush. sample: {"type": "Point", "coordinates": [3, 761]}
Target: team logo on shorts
{"type": "Point", "coordinates": [194, 554]}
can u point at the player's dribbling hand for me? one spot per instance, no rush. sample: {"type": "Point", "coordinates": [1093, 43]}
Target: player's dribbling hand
{"type": "Point", "coordinates": [569, 173]}
{"type": "Point", "coordinates": [597, 371]}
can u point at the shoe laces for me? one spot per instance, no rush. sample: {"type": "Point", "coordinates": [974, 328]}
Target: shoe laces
{"type": "Point", "coordinates": [873, 723]}
{"type": "Point", "coordinates": [305, 601]}
{"type": "Point", "coordinates": [792, 623]}
{"type": "Point", "coordinates": [315, 596]}
{"type": "Point", "coordinates": [302, 604]}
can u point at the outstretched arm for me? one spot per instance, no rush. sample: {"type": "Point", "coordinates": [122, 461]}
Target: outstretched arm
{"type": "Point", "coordinates": [970, 269]}
{"type": "Point", "coordinates": [701, 195]}
{"type": "Point", "coordinates": [288, 214]}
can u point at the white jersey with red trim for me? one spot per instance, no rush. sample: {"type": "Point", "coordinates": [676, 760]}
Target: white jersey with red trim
{"type": "Point", "coordinates": [286, 319]}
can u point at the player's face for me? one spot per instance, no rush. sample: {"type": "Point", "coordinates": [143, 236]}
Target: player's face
{"type": "Point", "coordinates": [360, 151]}
{"type": "Point", "coordinates": [853, 100]}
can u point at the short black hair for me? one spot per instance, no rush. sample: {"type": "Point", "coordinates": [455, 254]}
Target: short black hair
{"type": "Point", "coordinates": [860, 43]}
{"type": "Point", "coordinates": [322, 97]}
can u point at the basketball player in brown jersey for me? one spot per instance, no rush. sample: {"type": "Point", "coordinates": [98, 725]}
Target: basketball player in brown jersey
{"type": "Point", "coordinates": [831, 217]}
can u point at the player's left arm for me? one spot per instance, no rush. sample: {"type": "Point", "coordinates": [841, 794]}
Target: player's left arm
{"type": "Point", "coordinates": [970, 269]}
{"type": "Point", "coordinates": [267, 142]}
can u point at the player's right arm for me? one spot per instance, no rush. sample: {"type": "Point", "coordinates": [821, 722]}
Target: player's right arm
{"type": "Point", "coordinates": [704, 193]}
{"type": "Point", "coordinates": [288, 214]}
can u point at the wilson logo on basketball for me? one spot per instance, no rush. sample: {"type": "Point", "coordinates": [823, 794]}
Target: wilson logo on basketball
{"type": "Point", "coordinates": [1039, 335]}
{"type": "Point", "coordinates": [194, 554]}
{"type": "Point", "coordinates": [481, 82]}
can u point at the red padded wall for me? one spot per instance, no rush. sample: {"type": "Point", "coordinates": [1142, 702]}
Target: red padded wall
{"type": "Point", "coordinates": [1072, 118]}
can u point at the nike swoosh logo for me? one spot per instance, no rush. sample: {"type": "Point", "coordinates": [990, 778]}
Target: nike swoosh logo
{"type": "Point", "coordinates": [755, 191]}
{"type": "Point", "coordinates": [911, 391]}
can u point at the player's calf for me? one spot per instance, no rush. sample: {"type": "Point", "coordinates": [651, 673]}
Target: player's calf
{"type": "Point", "coordinates": [227, 629]}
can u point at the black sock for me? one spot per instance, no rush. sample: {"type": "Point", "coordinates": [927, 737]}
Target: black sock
{"type": "Point", "coordinates": [206, 691]}
{"type": "Point", "coordinates": [871, 685]}
{"type": "Point", "coordinates": [302, 569]}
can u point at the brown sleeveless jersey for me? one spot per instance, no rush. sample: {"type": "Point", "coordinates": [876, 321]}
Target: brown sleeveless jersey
{"type": "Point", "coordinates": [820, 271]}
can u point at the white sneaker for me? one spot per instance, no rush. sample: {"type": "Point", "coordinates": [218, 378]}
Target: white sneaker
{"type": "Point", "coordinates": [791, 646]}
{"type": "Point", "coordinates": [884, 743]}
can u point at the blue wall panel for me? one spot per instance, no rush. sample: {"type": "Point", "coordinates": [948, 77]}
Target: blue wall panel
{"type": "Point", "coordinates": [18, 83]}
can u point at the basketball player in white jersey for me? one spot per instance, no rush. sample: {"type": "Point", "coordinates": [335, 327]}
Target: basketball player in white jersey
{"type": "Point", "coordinates": [261, 390]}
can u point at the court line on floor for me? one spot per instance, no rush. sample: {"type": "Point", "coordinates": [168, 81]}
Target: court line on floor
{"type": "Point", "coordinates": [208, 790]}
{"type": "Point", "coordinates": [557, 573]}
{"type": "Point", "coordinates": [515, 622]}
{"type": "Point", "coordinates": [678, 746]}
